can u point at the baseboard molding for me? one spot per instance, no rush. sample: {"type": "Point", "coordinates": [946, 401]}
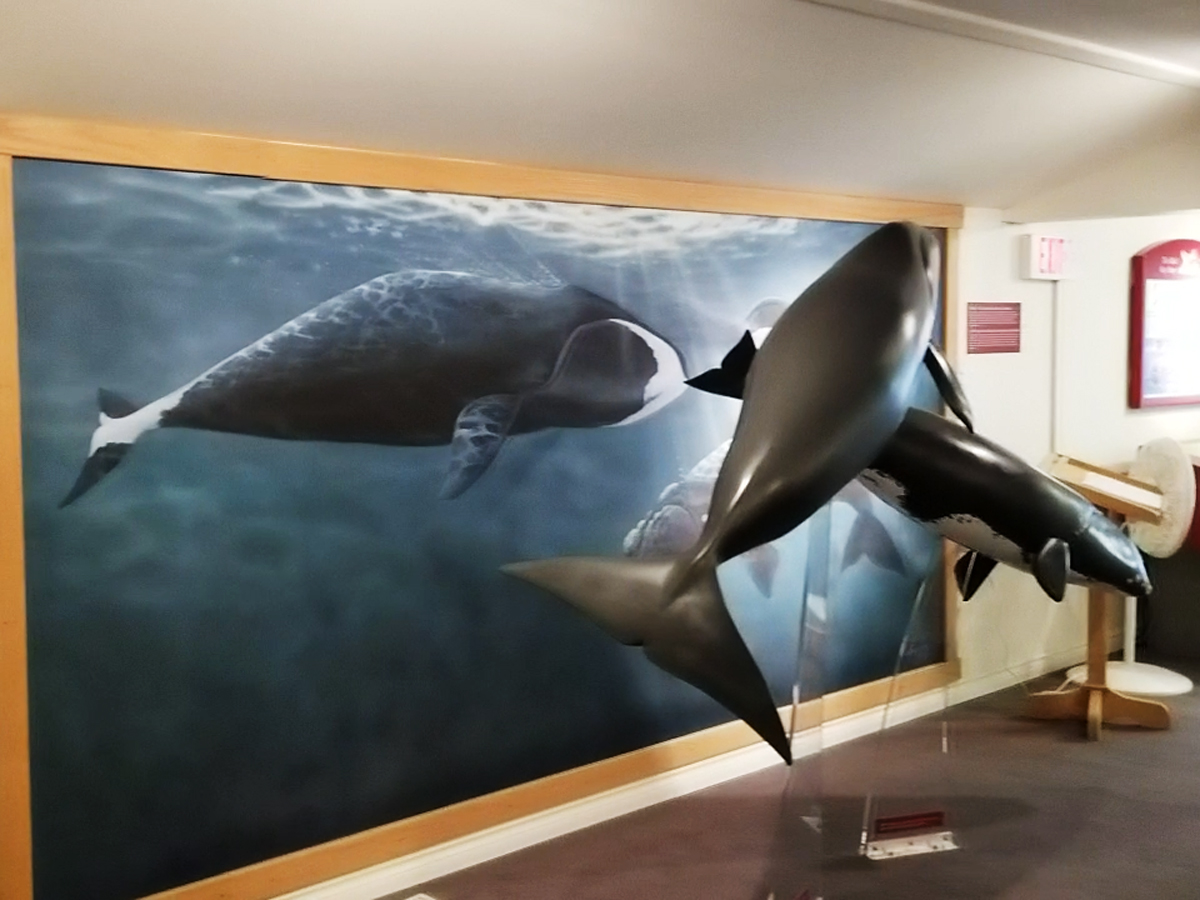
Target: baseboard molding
{"type": "Point", "coordinates": [436, 862]}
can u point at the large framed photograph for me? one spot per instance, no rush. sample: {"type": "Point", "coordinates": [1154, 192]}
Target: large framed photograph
{"type": "Point", "coordinates": [277, 437]}
{"type": "Point", "coordinates": [1164, 325]}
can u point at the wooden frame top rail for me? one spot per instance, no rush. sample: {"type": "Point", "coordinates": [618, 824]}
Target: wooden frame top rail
{"type": "Point", "coordinates": [160, 148]}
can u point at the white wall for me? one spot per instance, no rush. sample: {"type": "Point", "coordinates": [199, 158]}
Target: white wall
{"type": "Point", "coordinates": [1094, 312]}
{"type": "Point", "coordinates": [1011, 623]}
{"type": "Point", "coordinates": [1162, 177]}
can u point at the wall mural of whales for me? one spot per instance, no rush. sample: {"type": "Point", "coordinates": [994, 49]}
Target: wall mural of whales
{"type": "Point", "coordinates": [419, 358]}
{"type": "Point", "coordinates": [824, 394]}
{"type": "Point", "coordinates": [1000, 508]}
{"type": "Point", "coordinates": [677, 518]}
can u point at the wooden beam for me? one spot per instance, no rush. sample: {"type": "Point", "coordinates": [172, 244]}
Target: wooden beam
{"type": "Point", "coordinates": [127, 145]}
{"type": "Point", "coordinates": [16, 847]}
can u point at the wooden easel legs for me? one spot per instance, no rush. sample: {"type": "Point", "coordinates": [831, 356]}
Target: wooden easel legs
{"type": "Point", "coordinates": [1096, 705]}
{"type": "Point", "coordinates": [1094, 702]}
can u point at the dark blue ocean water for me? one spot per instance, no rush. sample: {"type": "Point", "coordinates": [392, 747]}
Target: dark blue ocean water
{"type": "Point", "coordinates": [240, 647]}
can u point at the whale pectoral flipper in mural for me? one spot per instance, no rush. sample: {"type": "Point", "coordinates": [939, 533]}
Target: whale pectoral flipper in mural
{"type": "Point", "coordinates": [971, 571]}
{"type": "Point", "coordinates": [828, 388]}
{"type": "Point", "coordinates": [679, 619]}
{"type": "Point", "coordinates": [479, 433]}
{"type": "Point", "coordinates": [419, 358]}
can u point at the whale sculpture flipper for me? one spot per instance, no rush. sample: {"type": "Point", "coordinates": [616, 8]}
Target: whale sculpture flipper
{"type": "Point", "coordinates": [1051, 566]}
{"type": "Point", "coordinates": [479, 433]}
{"type": "Point", "coordinates": [949, 386]}
{"type": "Point", "coordinates": [970, 571]}
{"type": "Point", "coordinates": [869, 538]}
{"type": "Point", "coordinates": [730, 379]}
{"type": "Point", "coordinates": [687, 632]}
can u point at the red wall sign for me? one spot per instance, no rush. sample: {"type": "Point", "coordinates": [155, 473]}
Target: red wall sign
{"type": "Point", "coordinates": [1164, 325]}
{"type": "Point", "coordinates": [993, 327]}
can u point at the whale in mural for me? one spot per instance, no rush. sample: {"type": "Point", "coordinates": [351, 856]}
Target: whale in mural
{"type": "Point", "coordinates": [677, 518]}
{"type": "Point", "coordinates": [675, 521]}
{"type": "Point", "coordinates": [826, 391]}
{"type": "Point", "coordinates": [419, 358]}
{"type": "Point", "coordinates": [979, 495]}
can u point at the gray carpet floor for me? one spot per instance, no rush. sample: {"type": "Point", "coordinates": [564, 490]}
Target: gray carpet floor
{"type": "Point", "coordinates": [1038, 811]}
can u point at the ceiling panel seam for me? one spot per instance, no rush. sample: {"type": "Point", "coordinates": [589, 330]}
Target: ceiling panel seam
{"type": "Point", "coordinates": [1010, 34]}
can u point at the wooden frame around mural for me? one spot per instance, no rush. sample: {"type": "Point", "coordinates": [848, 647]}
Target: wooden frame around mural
{"type": "Point", "coordinates": [96, 142]}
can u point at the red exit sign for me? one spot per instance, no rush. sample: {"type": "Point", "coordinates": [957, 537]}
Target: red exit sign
{"type": "Point", "coordinates": [1044, 256]}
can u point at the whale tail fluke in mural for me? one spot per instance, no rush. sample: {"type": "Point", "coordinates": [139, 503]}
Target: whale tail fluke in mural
{"type": "Point", "coordinates": [673, 610]}
{"type": "Point", "coordinates": [119, 427]}
{"type": "Point", "coordinates": [869, 538]}
{"type": "Point", "coordinates": [729, 379]}
{"type": "Point", "coordinates": [763, 562]}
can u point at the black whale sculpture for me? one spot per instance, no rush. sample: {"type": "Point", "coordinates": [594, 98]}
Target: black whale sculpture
{"type": "Point", "coordinates": [824, 394]}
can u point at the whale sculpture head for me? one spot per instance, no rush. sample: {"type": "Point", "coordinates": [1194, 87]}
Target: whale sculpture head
{"type": "Point", "coordinates": [1105, 553]}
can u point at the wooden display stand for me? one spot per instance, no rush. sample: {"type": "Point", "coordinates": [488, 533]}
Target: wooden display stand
{"type": "Point", "coordinates": [1093, 701]}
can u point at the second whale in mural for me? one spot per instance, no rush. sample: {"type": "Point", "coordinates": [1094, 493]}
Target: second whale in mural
{"type": "Point", "coordinates": [419, 358]}
{"type": "Point", "coordinates": [677, 519]}
{"type": "Point", "coordinates": [830, 385]}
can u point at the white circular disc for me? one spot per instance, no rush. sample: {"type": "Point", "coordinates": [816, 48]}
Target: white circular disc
{"type": "Point", "coordinates": [1137, 678]}
{"type": "Point", "coordinates": [1165, 464]}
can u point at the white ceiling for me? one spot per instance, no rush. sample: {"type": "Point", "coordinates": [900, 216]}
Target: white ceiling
{"type": "Point", "coordinates": [1164, 29]}
{"type": "Point", "coordinates": [776, 92]}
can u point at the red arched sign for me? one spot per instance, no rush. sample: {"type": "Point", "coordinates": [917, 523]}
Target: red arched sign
{"type": "Point", "coordinates": [1164, 325]}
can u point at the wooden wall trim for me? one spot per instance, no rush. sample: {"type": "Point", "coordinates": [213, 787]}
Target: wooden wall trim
{"type": "Point", "coordinates": [323, 862]}
{"type": "Point", "coordinates": [101, 142]}
{"type": "Point", "coordinates": [952, 350]}
{"type": "Point", "coordinates": [16, 847]}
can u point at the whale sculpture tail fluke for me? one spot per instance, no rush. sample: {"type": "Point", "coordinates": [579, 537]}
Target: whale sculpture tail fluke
{"type": "Point", "coordinates": [119, 428]}
{"type": "Point", "coordinates": [673, 610]}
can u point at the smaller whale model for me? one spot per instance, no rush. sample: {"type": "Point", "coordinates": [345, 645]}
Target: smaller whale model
{"type": "Point", "coordinates": [419, 358]}
{"type": "Point", "coordinates": [677, 519]}
{"type": "Point", "coordinates": [979, 495]}
{"type": "Point", "coordinates": [830, 385]}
